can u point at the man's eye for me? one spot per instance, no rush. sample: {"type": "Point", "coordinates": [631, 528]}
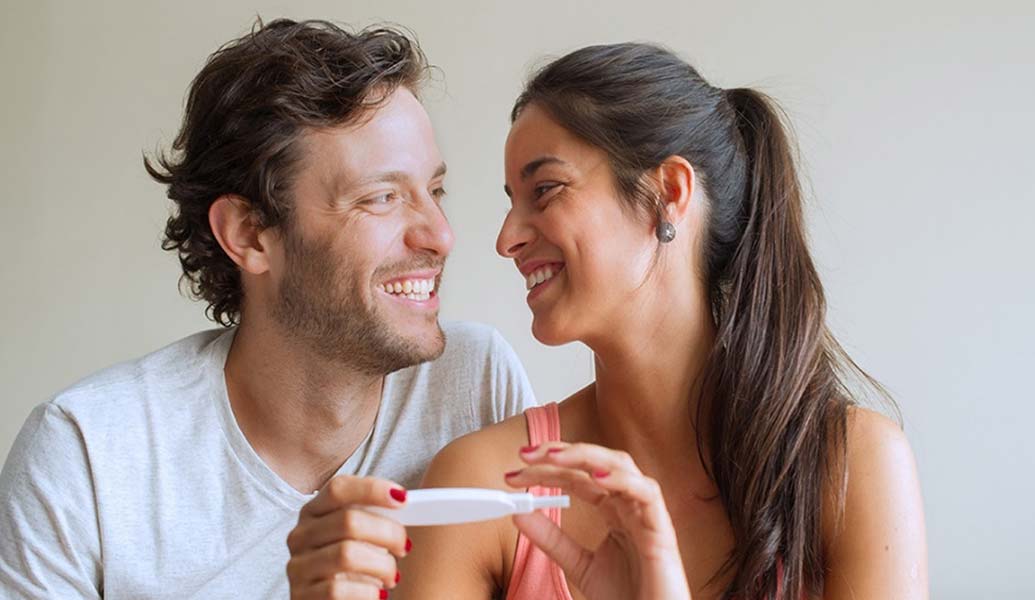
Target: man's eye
{"type": "Point", "coordinates": [382, 199]}
{"type": "Point", "coordinates": [438, 193]}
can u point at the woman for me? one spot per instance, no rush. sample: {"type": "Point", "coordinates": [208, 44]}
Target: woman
{"type": "Point", "coordinates": [718, 453]}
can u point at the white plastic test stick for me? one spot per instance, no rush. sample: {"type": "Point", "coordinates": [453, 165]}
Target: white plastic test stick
{"type": "Point", "coordinates": [449, 506]}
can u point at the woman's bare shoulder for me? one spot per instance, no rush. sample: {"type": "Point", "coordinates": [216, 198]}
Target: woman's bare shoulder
{"type": "Point", "coordinates": [867, 427]}
{"type": "Point", "coordinates": [879, 527]}
{"type": "Point", "coordinates": [479, 459]}
{"type": "Point", "coordinates": [873, 444]}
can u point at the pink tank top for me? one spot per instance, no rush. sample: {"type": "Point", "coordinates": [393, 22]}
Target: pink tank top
{"type": "Point", "coordinates": [534, 575]}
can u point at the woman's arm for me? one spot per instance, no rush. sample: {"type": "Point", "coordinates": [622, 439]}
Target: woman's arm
{"type": "Point", "coordinates": [879, 550]}
{"type": "Point", "coordinates": [463, 561]}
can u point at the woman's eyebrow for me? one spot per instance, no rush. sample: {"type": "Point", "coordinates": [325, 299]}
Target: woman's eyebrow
{"type": "Point", "coordinates": [529, 169]}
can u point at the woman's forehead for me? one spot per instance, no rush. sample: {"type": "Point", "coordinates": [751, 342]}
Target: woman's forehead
{"type": "Point", "coordinates": [536, 134]}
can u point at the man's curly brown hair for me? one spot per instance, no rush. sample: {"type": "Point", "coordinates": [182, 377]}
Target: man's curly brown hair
{"type": "Point", "coordinates": [245, 113]}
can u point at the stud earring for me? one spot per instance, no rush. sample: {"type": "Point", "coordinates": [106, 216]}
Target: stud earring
{"type": "Point", "coordinates": [665, 231]}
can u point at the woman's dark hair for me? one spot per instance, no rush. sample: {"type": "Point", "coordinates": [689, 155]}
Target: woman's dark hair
{"type": "Point", "coordinates": [245, 113]}
{"type": "Point", "coordinates": [773, 420]}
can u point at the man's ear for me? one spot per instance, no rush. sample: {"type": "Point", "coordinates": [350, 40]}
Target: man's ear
{"type": "Point", "coordinates": [236, 230]}
{"type": "Point", "coordinates": [677, 181]}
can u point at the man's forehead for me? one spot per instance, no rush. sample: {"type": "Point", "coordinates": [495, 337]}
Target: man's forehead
{"type": "Point", "coordinates": [391, 144]}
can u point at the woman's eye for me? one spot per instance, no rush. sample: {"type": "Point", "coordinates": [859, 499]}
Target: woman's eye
{"type": "Point", "coordinates": [438, 193]}
{"type": "Point", "coordinates": [540, 190]}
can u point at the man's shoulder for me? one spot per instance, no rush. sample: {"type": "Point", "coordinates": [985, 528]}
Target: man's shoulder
{"type": "Point", "coordinates": [474, 345]}
{"type": "Point", "coordinates": [478, 370]}
{"type": "Point", "coordinates": [176, 364]}
{"type": "Point", "coordinates": [467, 336]}
{"type": "Point", "coordinates": [473, 352]}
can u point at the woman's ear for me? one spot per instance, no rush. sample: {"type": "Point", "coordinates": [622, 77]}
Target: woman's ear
{"type": "Point", "coordinates": [237, 232]}
{"type": "Point", "coordinates": [677, 184]}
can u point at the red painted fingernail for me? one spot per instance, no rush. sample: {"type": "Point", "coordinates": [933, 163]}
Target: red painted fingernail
{"type": "Point", "coordinates": [398, 576]}
{"type": "Point", "coordinates": [601, 474]}
{"type": "Point", "coordinates": [409, 545]}
{"type": "Point", "coordinates": [397, 494]}
{"type": "Point", "coordinates": [510, 474]}
{"type": "Point", "coordinates": [384, 594]}
{"type": "Point", "coordinates": [554, 450]}
{"type": "Point", "coordinates": [528, 449]}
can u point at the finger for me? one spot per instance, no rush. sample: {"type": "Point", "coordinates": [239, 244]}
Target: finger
{"type": "Point", "coordinates": [359, 578]}
{"type": "Point", "coordinates": [614, 471]}
{"type": "Point", "coordinates": [339, 589]}
{"type": "Point", "coordinates": [350, 557]}
{"type": "Point", "coordinates": [574, 481]}
{"type": "Point", "coordinates": [587, 457]}
{"type": "Point", "coordinates": [650, 510]}
{"type": "Point", "coordinates": [619, 510]}
{"type": "Point", "coordinates": [572, 558]}
{"type": "Point", "coordinates": [346, 489]}
{"type": "Point", "coordinates": [348, 523]}
{"type": "Point", "coordinates": [534, 454]}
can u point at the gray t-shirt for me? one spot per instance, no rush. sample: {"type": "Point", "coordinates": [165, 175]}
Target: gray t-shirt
{"type": "Point", "coordinates": [138, 483]}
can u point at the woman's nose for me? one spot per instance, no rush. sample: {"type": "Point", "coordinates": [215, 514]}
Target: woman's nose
{"type": "Point", "coordinates": [514, 235]}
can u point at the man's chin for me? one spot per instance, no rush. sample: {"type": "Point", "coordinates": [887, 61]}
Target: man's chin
{"type": "Point", "coordinates": [413, 346]}
{"type": "Point", "coordinates": [428, 344]}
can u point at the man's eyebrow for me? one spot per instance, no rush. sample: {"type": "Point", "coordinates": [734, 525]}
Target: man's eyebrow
{"type": "Point", "coordinates": [529, 169]}
{"type": "Point", "coordinates": [382, 177]}
{"type": "Point", "coordinates": [395, 176]}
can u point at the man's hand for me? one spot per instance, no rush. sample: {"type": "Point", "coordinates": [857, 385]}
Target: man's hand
{"type": "Point", "coordinates": [340, 551]}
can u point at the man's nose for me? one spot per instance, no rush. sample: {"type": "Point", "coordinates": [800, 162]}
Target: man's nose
{"type": "Point", "coordinates": [431, 233]}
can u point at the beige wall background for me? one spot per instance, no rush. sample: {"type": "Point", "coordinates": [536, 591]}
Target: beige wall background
{"type": "Point", "coordinates": [915, 121]}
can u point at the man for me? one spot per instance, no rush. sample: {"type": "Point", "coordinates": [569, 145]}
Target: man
{"type": "Point", "coordinates": [307, 187]}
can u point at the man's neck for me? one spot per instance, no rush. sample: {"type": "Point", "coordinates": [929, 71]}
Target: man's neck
{"type": "Point", "coordinates": [302, 414]}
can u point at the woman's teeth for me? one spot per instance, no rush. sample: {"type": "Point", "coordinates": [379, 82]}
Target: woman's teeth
{"type": "Point", "coordinates": [414, 289]}
{"type": "Point", "coordinates": [539, 275]}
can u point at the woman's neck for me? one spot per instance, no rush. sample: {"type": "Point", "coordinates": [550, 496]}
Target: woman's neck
{"type": "Point", "coordinates": [649, 386]}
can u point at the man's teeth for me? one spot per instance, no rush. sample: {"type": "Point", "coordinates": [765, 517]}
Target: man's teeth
{"type": "Point", "coordinates": [414, 289]}
{"type": "Point", "coordinates": [538, 276]}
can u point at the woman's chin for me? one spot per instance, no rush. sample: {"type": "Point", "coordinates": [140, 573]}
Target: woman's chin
{"type": "Point", "coordinates": [549, 333]}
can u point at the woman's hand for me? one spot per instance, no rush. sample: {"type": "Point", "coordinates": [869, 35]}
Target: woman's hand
{"type": "Point", "coordinates": [339, 550]}
{"type": "Point", "coordinates": [639, 559]}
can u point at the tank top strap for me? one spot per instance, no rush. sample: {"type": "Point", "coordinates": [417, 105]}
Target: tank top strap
{"type": "Point", "coordinates": [534, 576]}
{"type": "Point", "coordinates": [544, 424]}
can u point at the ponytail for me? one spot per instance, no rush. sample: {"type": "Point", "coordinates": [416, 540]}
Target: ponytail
{"type": "Point", "coordinates": [778, 414]}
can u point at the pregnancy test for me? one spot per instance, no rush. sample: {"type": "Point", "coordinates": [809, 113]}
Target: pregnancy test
{"type": "Point", "coordinates": [450, 506]}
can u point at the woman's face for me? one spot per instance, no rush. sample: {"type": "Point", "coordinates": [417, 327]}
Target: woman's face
{"type": "Point", "coordinates": [583, 252]}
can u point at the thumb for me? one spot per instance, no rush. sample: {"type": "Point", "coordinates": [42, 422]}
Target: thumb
{"type": "Point", "coordinates": [573, 559]}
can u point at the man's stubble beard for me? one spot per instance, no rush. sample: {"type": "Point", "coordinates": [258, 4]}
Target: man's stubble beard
{"type": "Point", "coordinates": [313, 308]}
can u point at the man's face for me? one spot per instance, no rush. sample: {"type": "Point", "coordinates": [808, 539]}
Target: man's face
{"type": "Point", "coordinates": [366, 223]}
